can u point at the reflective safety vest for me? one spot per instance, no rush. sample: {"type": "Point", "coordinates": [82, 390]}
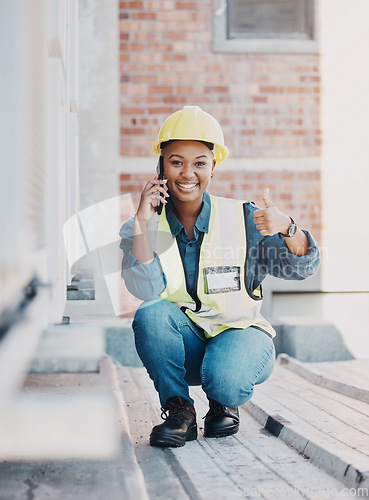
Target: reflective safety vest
{"type": "Point", "coordinates": [221, 299]}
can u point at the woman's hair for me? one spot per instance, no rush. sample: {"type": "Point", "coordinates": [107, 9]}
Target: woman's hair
{"type": "Point", "coordinates": [164, 144]}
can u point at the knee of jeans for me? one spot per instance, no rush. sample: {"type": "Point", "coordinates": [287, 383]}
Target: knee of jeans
{"type": "Point", "coordinates": [230, 394]}
{"type": "Point", "coordinates": [238, 396]}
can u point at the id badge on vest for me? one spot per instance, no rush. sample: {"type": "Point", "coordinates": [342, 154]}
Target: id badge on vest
{"type": "Point", "coordinates": [221, 279]}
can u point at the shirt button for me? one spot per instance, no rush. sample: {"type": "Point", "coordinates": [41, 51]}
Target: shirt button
{"type": "Point", "coordinates": [190, 275]}
{"type": "Point", "coordinates": [190, 244]}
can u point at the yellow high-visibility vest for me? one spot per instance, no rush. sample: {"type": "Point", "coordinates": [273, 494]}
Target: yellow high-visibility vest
{"type": "Point", "coordinates": [222, 299]}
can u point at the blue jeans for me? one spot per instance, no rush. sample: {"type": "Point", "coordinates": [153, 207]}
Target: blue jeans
{"type": "Point", "coordinates": [176, 354]}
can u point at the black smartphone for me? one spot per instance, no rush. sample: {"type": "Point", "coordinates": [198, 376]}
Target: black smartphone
{"type": "Point", "coordinates": [161, 176]}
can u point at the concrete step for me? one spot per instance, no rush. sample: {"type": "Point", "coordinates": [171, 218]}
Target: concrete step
{"type": "Point", "coordinates": [328, 427]}
{"type": "Point", "coordinates": [251, 464]}
{"type": "Point", "coordinates": [256, 462]}
{"type": "Point", "coordinates": [347, 377]}
{"type": "Point", "coordinates": [74, 347]}
{"type": "Point", "coordinates": [89, 453]}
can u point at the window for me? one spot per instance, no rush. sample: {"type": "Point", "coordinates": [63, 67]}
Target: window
{"type": "Point", "coordinates": [265, 26]}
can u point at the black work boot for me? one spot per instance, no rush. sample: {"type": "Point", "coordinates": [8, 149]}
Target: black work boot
{"type": "Point", "coordinates": [220, 420]}
{"type": "Point", "coordinates": [179, 426]}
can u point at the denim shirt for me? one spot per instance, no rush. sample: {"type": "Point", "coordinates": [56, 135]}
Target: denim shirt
{"type": "Point", "coordinates": [266, 255]}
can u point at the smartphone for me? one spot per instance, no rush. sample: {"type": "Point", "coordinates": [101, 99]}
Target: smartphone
{"type": "Point", "coordinates": [160, 170]}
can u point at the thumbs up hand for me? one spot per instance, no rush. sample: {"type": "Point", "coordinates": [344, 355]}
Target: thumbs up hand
{"type": "Point", "coordinates": [270, 220]}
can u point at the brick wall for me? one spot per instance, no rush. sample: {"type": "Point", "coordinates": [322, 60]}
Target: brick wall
{"type": "Point", "coordinates": [268, 105]}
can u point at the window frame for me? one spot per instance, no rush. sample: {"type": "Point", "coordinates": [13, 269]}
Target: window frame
{"type": "Point", "coordinates": [261, 45]}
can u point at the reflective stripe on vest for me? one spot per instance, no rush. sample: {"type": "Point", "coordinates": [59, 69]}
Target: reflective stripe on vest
{"type": "Point", "coordinates": [224, 245]}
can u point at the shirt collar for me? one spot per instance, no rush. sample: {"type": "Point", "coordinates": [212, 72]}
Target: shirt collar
{"type": "Point", "coordinates": [202, 222]}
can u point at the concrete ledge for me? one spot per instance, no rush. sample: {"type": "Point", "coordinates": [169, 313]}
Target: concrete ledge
{"type": "Point", "coordinates": [121, 346]}
{"type": "Point", "coordinates": [319, 377]}
{"type": "Point", "coordinates": [75, 347]}
{"type": "Point", "coordinates": [63, 415]}
{"type": "Point", "coordinates": [309, 339]}
{"type": "Point", "coordinates": [306, 339]}
{"type": "Point", "coordinates": [352, 475]}
{"type": "Point", "coordinates": [322, 425]}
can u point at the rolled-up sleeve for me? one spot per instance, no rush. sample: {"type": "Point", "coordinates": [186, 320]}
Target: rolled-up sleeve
{"type": "Point", "coordinates": [277, 260]}
{"type": "Point", "coordinates": [144, 281]}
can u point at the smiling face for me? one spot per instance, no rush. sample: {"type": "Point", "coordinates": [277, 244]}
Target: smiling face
{"type": "Point", "coordinates": [187, 167]}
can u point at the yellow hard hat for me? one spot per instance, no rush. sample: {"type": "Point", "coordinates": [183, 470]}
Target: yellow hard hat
{"type": "Point", "coordinates": [192, 124]}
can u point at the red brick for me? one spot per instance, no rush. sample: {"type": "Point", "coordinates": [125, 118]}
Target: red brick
{"type": "Point", "coordinates": [174, 36]}
{"type": "Point", "coordinates": [150, 78]}
{"type": "Point", "coordinates": [160, 89]}
{"type": "Point", "coordinates": [160, 111]}
{"type": "Point", "coordinates": [259, 99]}
{"type": "Point", "coordinates": [131, 111]}
{"type": "Point", "coordinates": [159, 47]}
{"type": "Point", "coordinates": [271, 89]}
{"type": "Point", "coordinates": [225, 176]}
{"type": "Point", "coordinates": [175, 99]}
{"type": "Point", "coordinates": [216, 89]}
{"type": "Point", "coordinates": [175, 57]}
{"type": "Point", "coordinates": [130, 5]}
{"type": "Point", "coordinates": [149, 16]}
{"type": "Point", "coordinates": [274, 132]}
{"type": "Point", "coordinates": [187, 5]}
{"type": "Point", "coordinates": [130, 188]}
{"type": "Point", "coordinates": [131, 46]}
{"type": "Point", "coordinates": [315, 79]}
{"type": "Point", "coordinates": [132, 131]}
{"type": "Point", "coordinates": [141, 177]}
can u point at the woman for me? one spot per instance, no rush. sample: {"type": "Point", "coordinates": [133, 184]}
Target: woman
{"type": "Point", "coordinates": [198, 267]}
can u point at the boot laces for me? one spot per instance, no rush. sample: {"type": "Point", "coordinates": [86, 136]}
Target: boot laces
{"type": "Point", "coordinates": [174, 410]}
{"type": "Point", "coordinates": [217, 410]}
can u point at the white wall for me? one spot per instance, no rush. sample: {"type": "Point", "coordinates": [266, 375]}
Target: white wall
{"type": "Point", "coordinates": [39, 138]}
{"type": "Point", "coordinates": [345, 165]}
{"type": "Point", "coordinates": [345, 162]}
